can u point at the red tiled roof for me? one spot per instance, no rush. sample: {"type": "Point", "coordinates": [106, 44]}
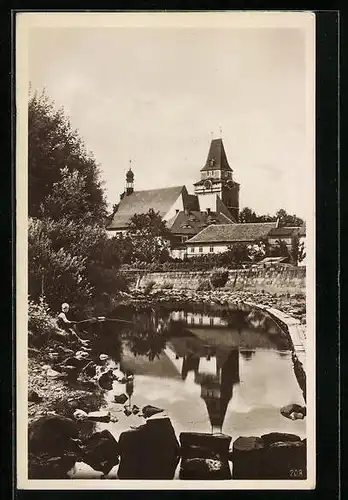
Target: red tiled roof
{"type": "Point", "coordinates": [233, 233]}
{"type": "Point", "coordinates": [138, 202]}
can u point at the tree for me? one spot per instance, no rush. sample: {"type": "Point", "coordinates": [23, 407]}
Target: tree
{"type": "Point", "coordinates": [247, 215]}
{"type": "Point", "coordinates": [54, 150]}
{"type": "Point", "coordinates": [150, 237]}
{"type": "Point", "coordinates": [286, 220]}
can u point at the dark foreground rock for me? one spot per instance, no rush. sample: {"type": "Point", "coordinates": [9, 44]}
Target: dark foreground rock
{"type": "Point", "coordinates": [273, 456]}
{"type": "Point", "coordinates": [53, 447]}
{"type": "Point", "coordinates": [276, 437]}
{"type": "Point", "coordinates": [149, 452]}
{"type": "Point", "coordinates": [101, 451]}
{"type": "Point", "coordinates": [204, 456]}
{"type": "Point", "coordinates": [247, 457]}
{"type": "Point", "coordinates": [202, 445]}
{"type": "Point", "coordinates": [204, 469]}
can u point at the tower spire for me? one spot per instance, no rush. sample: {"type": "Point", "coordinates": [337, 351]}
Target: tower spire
{"type": "Point", "coordinates": [129, 180]}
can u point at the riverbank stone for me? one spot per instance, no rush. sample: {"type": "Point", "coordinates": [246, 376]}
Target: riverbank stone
{"type": "Point", "coordinates": [101, 451]}
{"type": "Point", "coordinates": [285, 460]}
{"type": "Point", "coordinates": [120, 398]}
{"type": "Point", "coordinates": [276, 437]}
{"type": "Point", "coordinates": [293, 411]}
{"type": "Point", "coordinates": [149, 452]}
{"type": "Point", "coordinates": [53, 447]}
{"type": "Point", "coordinates": [204, 445]}
{"type": "Point", "coordinates": [99, 416]}
{"type": "Point", "coordinates": [149, 410]}
{"type": "Point", "coordinates": [247, 458]}
{"type": "Point", "coordinates": [204, 469]}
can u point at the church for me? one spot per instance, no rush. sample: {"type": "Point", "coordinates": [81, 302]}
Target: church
{"type": "Point", "coordinates": [215, 201]}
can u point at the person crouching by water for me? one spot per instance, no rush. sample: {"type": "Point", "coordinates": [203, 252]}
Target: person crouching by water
{"type": "Point", "coordinates": [69, 326]}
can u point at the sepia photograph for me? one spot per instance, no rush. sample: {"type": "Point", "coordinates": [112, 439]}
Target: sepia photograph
{"type": "Point", "coordinates": [165, 190]}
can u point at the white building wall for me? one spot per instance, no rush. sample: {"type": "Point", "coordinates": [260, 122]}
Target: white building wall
{"type": "Point", "coordinates": [207, 201]}
{"type": "Point", "coordinates": [206, 249]}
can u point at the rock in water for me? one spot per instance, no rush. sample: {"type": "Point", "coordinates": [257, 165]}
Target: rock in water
{"type": "Point", "coordinates": [53, 447]}
{"type": "Point", "coordinates": [149, 410]}
{"type": "Point", "coordinates": [248, 458]}
{"type": "Point", "coordinates": [204, 469]}
{"type": "Point", "coordinates": [149, 452]}
{"type": "Point", "coordinates": [99, 416]}
{"type": "Point", "coordinates": [294, 409]}
{"type": "Point", "coordinates": [101, 451]}
{"type": "Point", "coordinates": [120, 398]}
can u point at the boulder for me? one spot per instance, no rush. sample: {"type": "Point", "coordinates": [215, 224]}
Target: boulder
{"type": "Point", "coordinates": [33, 397]}
{"type": "Point", "coordinates": [247, 457]}
{"type": "Point", "coordinates": [99, 416]}
{"type": "Point", "coordinates": [149, 410]}
{"type": "Point", "coordinates": [285, 460]}
{"type": "Point", "coordinates": [105, 380]}
{"type": "Point", "coordinates": [204, 469]}
{"type": "Point", "coordinates": [120, 398]}
{"type": "Point", "coordinates": [150, 451]}
{"type": "Point", "coordinates": [293, 411]}
{"type": "Point", "coordinates": [101, 451]}
{"type": "Point", "coordinates": [202, 445]}
{"type": "Point", "coordinates": [275, 437]}
{"type": "Point", "coordinates": [135, 410]}
{"type": "Point", "coordinates": [53, 447]}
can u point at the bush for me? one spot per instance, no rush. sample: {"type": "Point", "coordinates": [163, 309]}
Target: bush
{"type": "Point", "coordinates": [204, 285]}
{"type": "Point", "coordinates": [149, 286]}
{"type": "Point", "coordinates": [219, 277]}
{"type": "Point", "coordinates": [41, 324]}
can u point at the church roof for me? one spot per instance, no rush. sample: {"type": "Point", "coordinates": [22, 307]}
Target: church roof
{"type": "Point", "coordinates": [191, 223]}
{"type": "Point", "coordinates": [139, 202]}
{"type": "Point", "coordinates": [233, 233]}
{"type": "Point", "coordinates": [217, 156]}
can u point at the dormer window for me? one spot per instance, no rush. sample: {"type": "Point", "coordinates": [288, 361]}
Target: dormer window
{"type": "Point", "coordinates": [212, 162]}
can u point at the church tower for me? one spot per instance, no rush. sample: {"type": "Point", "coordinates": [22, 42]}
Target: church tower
{"type": "Point", "coordinates": [129, 182]}
{"type": "Point", "coordinates": [217, 179]}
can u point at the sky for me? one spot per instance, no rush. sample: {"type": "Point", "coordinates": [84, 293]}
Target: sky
{"type": "Point", "coordinates": [156, 96]}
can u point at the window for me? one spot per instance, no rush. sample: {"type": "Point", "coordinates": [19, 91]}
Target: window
{"type": "Point", "coordinates": [211, 249]}
{"type": "Point", "coordinates": [184, 238]}
{"type": "Point", "coordinates": [200, 249]}
{"type": "Point", "coordinates": [211, 321]}
{"type": "Point", "coordinates": [192, 249]}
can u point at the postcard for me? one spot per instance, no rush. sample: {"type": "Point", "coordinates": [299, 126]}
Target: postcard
{"type": "Point", "coordinates": [165, 190]}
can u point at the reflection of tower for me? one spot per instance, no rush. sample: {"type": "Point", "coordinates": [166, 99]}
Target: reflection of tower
{"type": "Point", "coordinates": [130, 389]}
{"type": "Point", "coordinates": [190, 363]}
{"type": "Point", "coordinates": [217, 389]}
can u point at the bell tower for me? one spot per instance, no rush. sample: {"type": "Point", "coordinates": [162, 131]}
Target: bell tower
{"type": "Point", "coordinates": [129, 180]}
{"type": "Point", "coordinates": [217, 179]}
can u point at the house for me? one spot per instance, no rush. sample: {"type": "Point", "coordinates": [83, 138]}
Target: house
{"type": "Point", "coordinates": [286, 234]}
{"type": "Point", "coordinates": [217, 238]}
{"type": "Point", "coordinates": [215, 201]}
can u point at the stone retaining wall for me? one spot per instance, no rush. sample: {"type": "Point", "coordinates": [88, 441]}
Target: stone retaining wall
{"type": "Point", "coordinates": [280, 280]}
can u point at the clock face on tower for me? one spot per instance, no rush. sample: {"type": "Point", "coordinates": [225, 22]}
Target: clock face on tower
{"type": "Point", "coordinates": [230, 184]}
{"type": "Point", "coordinates": [208, 184]}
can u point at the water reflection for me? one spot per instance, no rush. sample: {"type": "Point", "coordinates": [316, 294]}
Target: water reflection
{"type": "Point", "coordinates": [197, 360]}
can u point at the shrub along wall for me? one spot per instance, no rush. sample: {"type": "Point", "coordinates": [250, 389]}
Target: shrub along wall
{"type": "Point", "coordinates": [276, 280]}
